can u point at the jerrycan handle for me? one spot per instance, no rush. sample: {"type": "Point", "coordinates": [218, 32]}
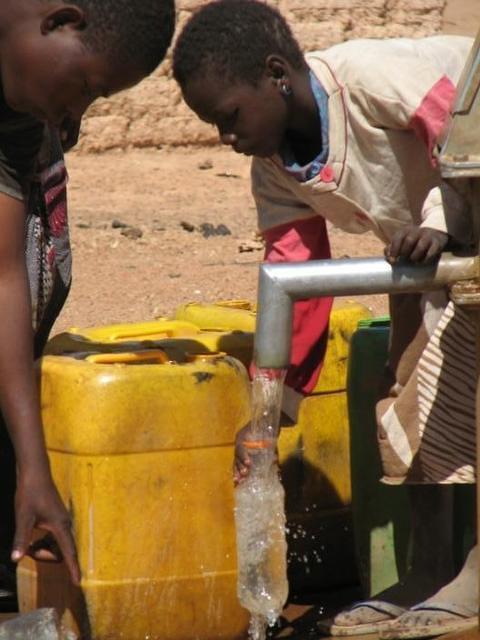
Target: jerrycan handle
{"type": "Point", "coordinates": [242, 305]}
{"type": "Point", "coordinates": [153, 356]}
{"type": "Point", "coordinates": [156, 330]}
{"type": "Point", "coordinates": [209, 356]}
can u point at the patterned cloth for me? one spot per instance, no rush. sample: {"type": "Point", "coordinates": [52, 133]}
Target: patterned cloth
{"type": "Point", "coordinates": [47, 239]}
{"type": "Point", "coordinates": [426, 420]}
{"type": "Point", "coordinates": [446, 394]}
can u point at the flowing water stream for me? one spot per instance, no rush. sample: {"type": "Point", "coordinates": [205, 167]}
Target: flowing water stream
{"type": "Point", "coordinates": [260, 511]}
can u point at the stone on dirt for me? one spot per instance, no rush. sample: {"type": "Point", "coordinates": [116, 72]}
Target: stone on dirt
{"type": "Point", "coordinates": [207, 229]}
{"type": "Point", "coordinates": [42, 624]}
{"type": "Point", "coordinates": [132, 233]}
{"type": "Point", "coordinates": [205, 165]}
{"type": "Point", "coordinates": [118, 224]}
{"type": "Point", "coordinates": [187, 226]}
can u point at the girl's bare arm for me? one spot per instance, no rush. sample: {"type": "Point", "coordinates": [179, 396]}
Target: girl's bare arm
{"type": "Point", "coordinates": [37, 501]}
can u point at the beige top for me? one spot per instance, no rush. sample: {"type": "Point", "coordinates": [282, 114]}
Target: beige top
{"type": "Point", "coordinates": [389, 101]}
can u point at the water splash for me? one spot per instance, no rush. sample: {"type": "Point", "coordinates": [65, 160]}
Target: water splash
{"type": "Point", "coordinates": [260, 512]}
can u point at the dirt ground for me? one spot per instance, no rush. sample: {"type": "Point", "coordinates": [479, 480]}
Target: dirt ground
{"type": "Point", "coordinates": [122, 277]}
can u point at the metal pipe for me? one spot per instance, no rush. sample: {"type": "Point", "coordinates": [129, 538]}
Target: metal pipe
{"type": "Point", "coordinates": [281, 284]}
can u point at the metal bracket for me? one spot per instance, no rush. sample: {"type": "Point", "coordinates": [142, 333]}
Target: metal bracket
{"type": "Point", "coordinates": [466, 294]}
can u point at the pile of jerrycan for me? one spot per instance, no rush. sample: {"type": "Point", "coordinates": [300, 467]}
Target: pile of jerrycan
{"type": "Point", "coordinates": [140, 421]}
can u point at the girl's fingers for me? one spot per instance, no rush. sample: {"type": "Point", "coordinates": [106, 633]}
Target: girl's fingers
{"type": "Point", "coordinates": [240, 473]}
{"type": "Point", "coordinates": [45, 549]}
{"type": "Point", "coordinates": [394, 247]}
{"type": "Point", "coordinates": [416, 244]}
{"type": "Point", "coordinates": [241, 455]}
{"type": "Point", "coordinates": [24, 526]}
{"type": "Point", "coordinates": [402, 244]}
{"type": "Point", "coordinates": [421, 249]}
{"type": "Point", "coordinates": [241, 465]}
{"type": "Point", "coordinates": [408, 244]}
{"type": "Point", "coordinates": [64, 537]}
{"type": "Point", "coordinates": [433, 252]}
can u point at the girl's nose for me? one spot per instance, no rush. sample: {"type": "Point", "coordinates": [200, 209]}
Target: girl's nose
{"type": "Point", "coordinates": [228, 139]}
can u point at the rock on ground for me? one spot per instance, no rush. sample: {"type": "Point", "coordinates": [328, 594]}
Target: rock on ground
{"type": "Point", "coordinates": [42, 624]}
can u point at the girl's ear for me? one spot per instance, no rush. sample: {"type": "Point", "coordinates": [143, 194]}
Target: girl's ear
{"type": "Point", "coordinates": [66, 16]}
{"type": "Point", "coordinates": [276, 68]}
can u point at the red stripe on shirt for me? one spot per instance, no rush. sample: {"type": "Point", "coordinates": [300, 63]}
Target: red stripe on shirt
{"type": "Point", "coordinates": [431, 116]}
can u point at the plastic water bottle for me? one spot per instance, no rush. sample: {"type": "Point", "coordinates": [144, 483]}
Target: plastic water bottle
{"type": "Point", "coordinates": [261, 543]}
{"type": "Point", "coordinates": [260, 512]}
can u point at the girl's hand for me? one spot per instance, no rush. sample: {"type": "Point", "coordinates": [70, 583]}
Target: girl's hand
{"type": "Point", "coordinates": [417, 244]}
{"type": "Point", "coordinates": [242, 462]}
{"type": "Point", "coordinates": [38, 505]}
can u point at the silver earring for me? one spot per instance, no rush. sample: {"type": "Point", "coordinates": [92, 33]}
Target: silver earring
{"type": "Point", "coordinates": [285, 89]}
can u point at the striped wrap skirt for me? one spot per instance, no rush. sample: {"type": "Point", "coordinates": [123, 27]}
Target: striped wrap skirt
{"type": "Point", "coordinates": [426, 414]}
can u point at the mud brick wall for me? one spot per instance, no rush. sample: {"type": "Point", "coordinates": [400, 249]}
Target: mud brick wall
{"type": "Point", "coordinates": [153, 115]}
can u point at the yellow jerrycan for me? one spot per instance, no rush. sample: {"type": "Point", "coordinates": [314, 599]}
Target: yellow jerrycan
{"type": "Point", "coordinates": [141, 451]}
{"type": "Point", "coordinates": [174, 334]}
{"type": "Point", "coordinates": [314, 450]}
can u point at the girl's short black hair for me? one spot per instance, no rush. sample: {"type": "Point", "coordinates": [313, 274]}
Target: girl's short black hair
{"type": "Point", "coordinates": [234, 38]}
{"type": "Point", "coordinates": [136, 32]}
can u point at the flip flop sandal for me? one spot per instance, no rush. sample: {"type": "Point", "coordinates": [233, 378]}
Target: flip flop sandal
{"type": "Point", "coordinates": [462, 622]}
{"type": "Point", "coordinates": [393, 610]}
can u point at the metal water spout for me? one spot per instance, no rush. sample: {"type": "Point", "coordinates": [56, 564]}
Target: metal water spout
{"type": "Point", "coordinates": [281, 284]}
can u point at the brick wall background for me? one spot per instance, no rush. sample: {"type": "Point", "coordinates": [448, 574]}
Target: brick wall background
{"type": "Point", "coordinates": [153, 114]}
